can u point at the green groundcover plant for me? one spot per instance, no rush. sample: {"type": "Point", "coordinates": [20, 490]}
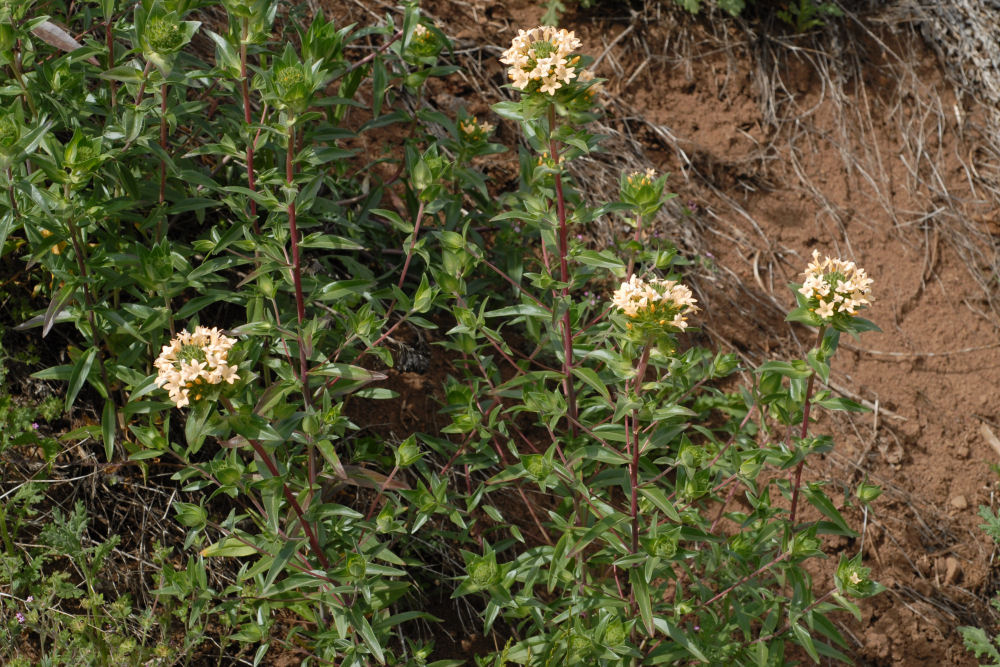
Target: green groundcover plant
{"type": "Point", "coordinates": [197, 213]}
{"type": "Point", "coordinates": [976, 640]}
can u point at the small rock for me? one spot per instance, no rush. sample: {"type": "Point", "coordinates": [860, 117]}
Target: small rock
{"type": "Point", "coordinates": [952, 570]}
{"type": "Point", "coordinates": [959, 503]}
{"type": "Point", "coordinates": [878, 644]}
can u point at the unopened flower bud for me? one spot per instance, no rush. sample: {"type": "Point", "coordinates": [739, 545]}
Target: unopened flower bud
{"type": "Point", "coordinates": [164, 35]}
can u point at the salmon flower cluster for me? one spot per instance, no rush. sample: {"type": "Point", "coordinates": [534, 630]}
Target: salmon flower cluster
{"type": "Point", "coordinates": [833, 286]}
{"type": "Point", "coordinates": [542, 59]}
{"type": "Point", "coordinates": [638, 179]}
{"type": "Point", "coordinates": [660, 303]}
{"type": "Point", "coordinates": [192, 361]}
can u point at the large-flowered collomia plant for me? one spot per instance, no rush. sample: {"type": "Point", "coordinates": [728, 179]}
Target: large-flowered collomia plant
{"type": "Point", "coordinates": [660, 526]}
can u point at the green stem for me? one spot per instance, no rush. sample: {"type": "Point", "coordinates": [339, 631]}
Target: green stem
{"type": "Point", "coordinates": [7, 542]}
{"type": "Point", "coordinates": [300, 303]}
{"type": "Point", "coordinates": [15, 66]}
{"type": "Point", "coordinates": [638, 239]}
{"type": "Point", "coordinates": [91, 302]}
{"type": "Point", "coordinates": [163, 161]}
{"type": "Point", "coordinates": [245, 93]}
{"type": "Point", "coordinates": [804, 431]}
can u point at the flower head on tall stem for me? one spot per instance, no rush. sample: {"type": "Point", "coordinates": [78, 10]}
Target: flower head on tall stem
{"type": "Point", "coordinates": [541, 59]}
{"type": "Point", "coordinates": [833, 287]}
{"type": "Point", "coordinates": [193, 360]}
{"type": "Point", "coordinates": [658, 305]}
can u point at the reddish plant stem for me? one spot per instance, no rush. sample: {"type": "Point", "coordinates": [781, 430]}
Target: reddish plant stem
{"type": "Point", "coordinates": [640, 373]}
{"type": "Point", "coordinates": [10, 192]}
{"type": "Point", "coordinates": [272, 467]}
{"type": "Point", "coordinates": [413, 243]}
{"type": "Point", "coordinates": [745, 579]}
{"type": "Point", "coordinates": [456, 454]}
{"type": "Point", "coordinates": [632, 434]}
{"type": "Point", "coordinates": [381, 490]}
{"type": "Point", "coordinates": [142, 85]}
{"type": "Point", "coordinates": [797, 477]}
{"type": "Point", "coordinates": [568, 387]}
{"type": "Point", "coordinates": [300, 302]}
{"type": "Point", "coordinates": [15, 66]}
{"type": "Point", "coordinates": [510, 280]}
{"type": "Point", "coordinates": [110, 45]}
{"type": "Point", "coordinates": [336, 355]}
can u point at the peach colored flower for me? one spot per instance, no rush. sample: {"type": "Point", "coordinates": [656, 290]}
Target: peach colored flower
{"type": "Point", "coordinates": [834, 286]}
{"type": "Point", "coordinates": [191, 360]}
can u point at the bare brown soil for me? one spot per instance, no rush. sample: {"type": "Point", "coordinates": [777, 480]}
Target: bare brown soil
{"type": "Point", "coordinates": [851, 140]}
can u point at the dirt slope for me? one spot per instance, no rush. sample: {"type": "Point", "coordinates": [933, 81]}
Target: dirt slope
{"type": "Point", "coordinates": [854, 141]}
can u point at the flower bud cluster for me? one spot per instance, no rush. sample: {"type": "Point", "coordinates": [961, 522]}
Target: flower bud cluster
{"type": "Point", "coordinates": [193, 360]}
{"type": "Point", "coordinates": [424, 42]}
{"type": "Point", "coordinates": [289, 76]}
{"type": "Point", "coordinates": [641, 180]}
{"type": "Point", "coordinates": [834, 286]}
{"type": "Point", "coordinates": [473, 131]}
{"type": "Point", "coordinates": [542, 59]}
{"type": "Point", "coordinates": [164, 35]}
{"type": "Point", "coordinates": [664, 303]}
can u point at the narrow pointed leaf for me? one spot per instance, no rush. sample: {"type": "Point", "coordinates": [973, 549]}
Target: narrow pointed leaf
{"type": "Point", "coordinates": [108, 428]}
{"type": "Point", "coordinates": [81, 370]}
